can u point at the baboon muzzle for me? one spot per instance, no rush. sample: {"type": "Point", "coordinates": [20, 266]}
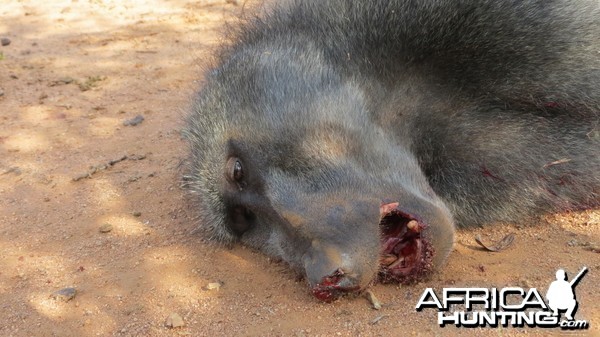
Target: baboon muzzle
{"type": "Point", "coordinates": [405, 255]}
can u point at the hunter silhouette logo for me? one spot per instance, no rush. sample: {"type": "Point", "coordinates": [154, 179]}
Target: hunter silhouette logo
{"type": "Point", "coordinates": [510, 306]}
{"type": "Point", "coordinates": [561, 294]}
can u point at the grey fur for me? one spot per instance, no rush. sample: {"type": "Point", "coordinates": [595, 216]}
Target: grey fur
{"type": "Point", "coordinates": [467, 112]}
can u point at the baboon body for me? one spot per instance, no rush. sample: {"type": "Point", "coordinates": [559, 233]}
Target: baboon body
{"type": "Point", "coordinates": [349, 138]}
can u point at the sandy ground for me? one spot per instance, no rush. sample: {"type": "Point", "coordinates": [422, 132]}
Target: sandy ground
{"type": "Point", "coordinates": [73, 72]}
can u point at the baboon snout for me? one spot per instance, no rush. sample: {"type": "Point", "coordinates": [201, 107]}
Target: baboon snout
{"type": "Point", "coordinates": [332, 272]}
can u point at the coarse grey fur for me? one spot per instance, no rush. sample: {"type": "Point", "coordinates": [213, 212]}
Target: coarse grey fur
{"type": "Point", "coordinates": [464, 112]}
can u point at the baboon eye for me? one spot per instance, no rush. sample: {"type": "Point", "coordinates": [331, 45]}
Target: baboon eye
{"type": "Point", "coordinates": [235, 171]}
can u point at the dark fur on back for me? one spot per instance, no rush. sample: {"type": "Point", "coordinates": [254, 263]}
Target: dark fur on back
{"type": "Point", "coordinates": [486, 109]}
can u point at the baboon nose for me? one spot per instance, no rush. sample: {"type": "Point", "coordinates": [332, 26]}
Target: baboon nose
{"type": "Point", "coordinates": [331, 272]}
{"type": "Point", "coordinates": [334, 286]}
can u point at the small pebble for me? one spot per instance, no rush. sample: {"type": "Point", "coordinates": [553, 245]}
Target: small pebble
{"type": "Point", "coordinates": [66, 80]}
{"type": "Point", "coordinates": [137, 214]}
{"type": "Point", "coordinates": [5, 41]}
{"type": "Point", "coordinates": [174, 321]}
{"type": "Point", "coordinates": [105, 228]}
{"type": "Point", "coordinates": [213, 286]}
{"type": "Point", "coordinates": [134, 121]}
{"type": "Point", "coordinates": [65, 294]}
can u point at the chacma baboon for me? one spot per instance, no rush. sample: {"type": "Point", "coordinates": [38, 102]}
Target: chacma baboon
{"type": "Point", "coordinates": [349, 138]}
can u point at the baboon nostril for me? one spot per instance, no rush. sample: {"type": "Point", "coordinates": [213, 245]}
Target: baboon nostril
{"type": "Point", "coordinates": [333, 271]}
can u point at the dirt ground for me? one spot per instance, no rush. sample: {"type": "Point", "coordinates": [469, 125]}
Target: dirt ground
{"type": "Point", "coordinates": [72, 74]}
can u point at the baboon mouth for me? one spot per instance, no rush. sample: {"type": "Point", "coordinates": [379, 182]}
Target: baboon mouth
{"type": "Point", "coordinates": [334, 286]}
{"type": "Point", "coordinates": [406, 254]}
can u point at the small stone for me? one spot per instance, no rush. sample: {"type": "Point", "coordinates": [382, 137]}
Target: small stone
{"type": "Point", "coordinates": [174, 321]}
{"type": "Point", "coordinates": [105, 228]}
{"type": "Point", "coordinates": [134, 121]}
{"type": "Point", "coordinates": [137, 214]}
{"type": "Point", "coordinates": [5, 41]}
{"type": "Point", "coordinates": [66, 80]}
{"type": "Point", "coordinates": [65, 294]}
{"type": "Point", "coordinates": [213, 286]}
